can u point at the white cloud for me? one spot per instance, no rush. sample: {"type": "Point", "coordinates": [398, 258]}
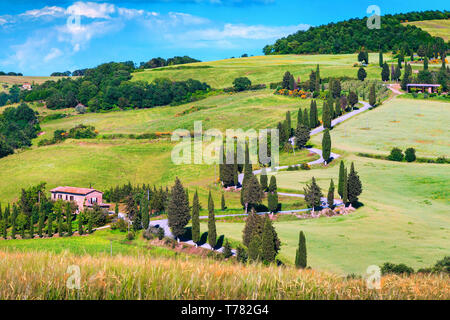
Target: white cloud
{"type": "Point", "coordinates": [3, 21]}
{"type": "Point", "coordinates": [91, 10]}
{"type": "Point", "coordinates": [46, 11]}
{"type": "Point", "coordinates": [53, 54]}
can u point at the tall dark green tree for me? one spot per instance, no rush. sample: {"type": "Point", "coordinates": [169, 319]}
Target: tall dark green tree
{"type": "Point", "coordinates": [253, 226]}
{"type": "Point", "coordinates": [301, 255]}
{"type": "Point", "coordinates": [272, 197]}
{"type": "Point", "coordinates": [354, 185]}
{"type": "Point", "coordinates": [90, 225]}
{"type": "Point", "coordinates": [372, 96]}
{"type": "Point", "coordinates": [178, 209]}
{"type": "Point", "coordinates": [195, 218]}
{"type": "Point", "coordinates": [385, 72]}
{"type": "Point", "coordinates": [352, 98]}
{"type": "Point", "coordinates": [253, 193]}
{"type": "Point", "coordinates": [223, 205]}
{"type": "Point", "coordinates": [425, 63]}
{"type": "Point", "coordinates": [212, 233]}
{"type": "Point", "coordinates": [268, 242]}
{"type": "Point", "coordinates": [313, 116]}
{"type": "Point", "coordinates": [80, 226]}
{"type": "Point", "coordinates": [326, 145]}
{"type": "Point", "coordinates": [326, 115]}
{"type": "Point", "coordinates": [380, 58]}
{"type": "Point", "coordinates": [50, 225]}
{"type": "Point", "coordinates": [41, 223]}
{"type": "Point", "coordinates": [288, 124]}
{"type": "Point", "coordinates": [345, 188]}
{"type": "Point", "coordinates": [362, 74]}
{"type": "Point", "coordinates": [330, 196]}
{"type": "Point", "coordinates": [341, 179]}
{"type": "Point", "coordinates": [263, 180]}
{"type": "Point", "coordinates": [302, 135]}
{"type": "Point", "coordinates": [306, 119]}
{"type": "Point", "coordinates": [313, 194]}
{"type": "Point", "coordinates": [299, 117]}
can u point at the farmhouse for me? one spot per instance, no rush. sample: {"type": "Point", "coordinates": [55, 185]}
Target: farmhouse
{"type": "Point", "coordinates": [26, 86]}
{"type": "Point", "coordinates": [83, 197]}
{"type": "Point", "coordinates": [423, 86]}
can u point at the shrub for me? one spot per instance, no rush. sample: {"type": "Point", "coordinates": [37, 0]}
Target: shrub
{"type": "Point", "coordinates": [80, 109]}
{"type": "Point", "coordinates": [396, 269]}
{"type": "Point", "coordinates": [131, 236]}
{"type": "Point", "coordinates": [148, 235]}
{"type": "Point", "coordinates": [410, 154]}
{"type": "Point", "coordinates": [305, 166]}
{"type": "Point", "coordinates": [160, 233]}
{"type": "Point", "coordinates": [121, 225]}
{"type": "Point", "coordinates": [227, 250]}
{"type": "Point", "coordinates": [241, 84]}
{"type": "Point", "coordinates": [396, 155]}
{"type": "Point", "coordinates": [241, 254]}
{"type": "Point", "coordinates": [82, 132]}
{"type": "Point", "coordinates": [442, 159]}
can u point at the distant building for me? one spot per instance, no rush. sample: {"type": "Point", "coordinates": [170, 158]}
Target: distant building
{"type": "Point", "coordinates": [27, 86]}
{"type": "Point", "coordinates": [83, 197]}
{"type": "Point", "coordinates": [423, 86]}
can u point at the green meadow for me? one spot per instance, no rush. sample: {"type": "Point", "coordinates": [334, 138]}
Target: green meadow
{"type": "Point", "coordinates": [402, 123]}
{"type": "Point", "coordinates": [437, 28]}
{"type": "Point", "coordinates": [264, 69]}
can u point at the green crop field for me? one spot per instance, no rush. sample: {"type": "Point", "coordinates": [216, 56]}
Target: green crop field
{"type": "Point", "coordinates": [402, 123]}
{"type": "Point", "coordinates": [265, 69]}
{"type": "Point", "coordinates": [437, 28]}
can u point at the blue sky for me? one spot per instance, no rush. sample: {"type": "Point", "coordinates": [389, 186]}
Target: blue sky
{"type": "Point", "coordinates": [40, 37]}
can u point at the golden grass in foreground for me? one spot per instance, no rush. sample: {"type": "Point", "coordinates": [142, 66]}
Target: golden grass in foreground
{"type": "Point", "coordinates": [39, 275]}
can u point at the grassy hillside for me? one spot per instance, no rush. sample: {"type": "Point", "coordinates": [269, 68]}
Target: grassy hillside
{"type": "Point", "coordinates": [21, 80]}
{"type": "Point", "coordinates": [437, 28]}
{"type": "Point", "coordinates": [264, 69]}
{"type": "Point", "coordinates": [402, 123]}
{"type": "Point", "coordinates": [153, 277]}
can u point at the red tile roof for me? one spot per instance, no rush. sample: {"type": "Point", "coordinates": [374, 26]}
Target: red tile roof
{"type": "Point", "coordinates": [80, 191]}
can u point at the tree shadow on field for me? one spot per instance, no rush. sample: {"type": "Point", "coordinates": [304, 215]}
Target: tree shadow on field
{"type": "Point", "coordinates": [187, 234]}
{"type": "Point", "coordinates": [203, 239]}
{"type": "Point", "coordinates": [357, 205]}
{"type": "Point", "coordinates": [219, 243]}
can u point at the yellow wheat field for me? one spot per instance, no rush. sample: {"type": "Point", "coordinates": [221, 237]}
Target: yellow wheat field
{"type": "Point", "coordinates": [40, 275]}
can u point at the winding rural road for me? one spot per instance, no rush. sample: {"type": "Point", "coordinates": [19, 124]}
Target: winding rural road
{"type": "Point", "coordinates": [164, 223]}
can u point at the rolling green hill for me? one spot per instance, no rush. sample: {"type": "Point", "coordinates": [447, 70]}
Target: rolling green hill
{"type": "Point", "coordinates": [437, 28]}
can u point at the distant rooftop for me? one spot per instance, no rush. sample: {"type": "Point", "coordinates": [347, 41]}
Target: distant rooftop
{"type": "Point", "coordinates": [73, 190]}
{"type": "Point", "coordinates": [422, 85]}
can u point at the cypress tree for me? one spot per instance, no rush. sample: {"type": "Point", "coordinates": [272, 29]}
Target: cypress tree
{"type": "Point", "coordinates": [273, 195]}
{"type": "Point", "coordinates": [380, 58]}
{"type": "Point", "coordinates": [31, 229]}
{"type": "Point", "coordinates": [146, 213]}
{"type": "Point", "coordinates": [306, 119]}
{"type": "Point", "coordinates": [195, 218]}
{"type": "Point", "coordinates": [253, 226]}
{"type": "Point", "coordinates": [254, 249]}
{"type": "Point", "coordinates": [385, 72]}
{"type": "Point", "coordinates": [288, 124]}
{"type": "Point", "coordinates": [301, 256]}
{"type": "Point", "coordinates": [60, 224]}
{"type": "Point", "coordinates": [326, 145]}
{"type": "Point", "coordinates": [354, 185]}
{"type": "Point", "coordinates": [41, 223]}
{"type": "Point", "coordinates": [268, 252]}
{"type": "Point", "coordinates": [425, 63]}
{"type": "Point", "coordinates": [50, 225]}
{"type": "Point", "coordinates": [313, 114]}
{"type": "Point", "coordinates": [89, 226]}
{"type": "Point", "coordinates": [212, 234]}
{"type": "Point", "coordinates": [69, 224]}
{"type": "Point", "coordinates": [326, 116]}
{"type": "Point", "coordinates": [302, 136]}
{"type": "Point", "coordinates": [178, 209]}
{"type": "Point", "coordinates": [252, 193]}
{"type": "Point", "coordinates": [222, 203]}
{"type": "Point", "coordinates": [80, 226]}
{"type": "Point", "coordinates": [299, 117]}
{"type": "Point", "coordinates": [372, 96]}
{"type": "Point", "coordinates": [341, 179]}
{"type": "Point", "coordinates": [1, 212]}
{"type": "Point", "coordinates": [330, 197]}
{"type": "Point", "coordinates": [313, 194]}
{"type": "Point", "coordinates": [263, 180]}
{"type": "Point", "coordinates": [345, 188]}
